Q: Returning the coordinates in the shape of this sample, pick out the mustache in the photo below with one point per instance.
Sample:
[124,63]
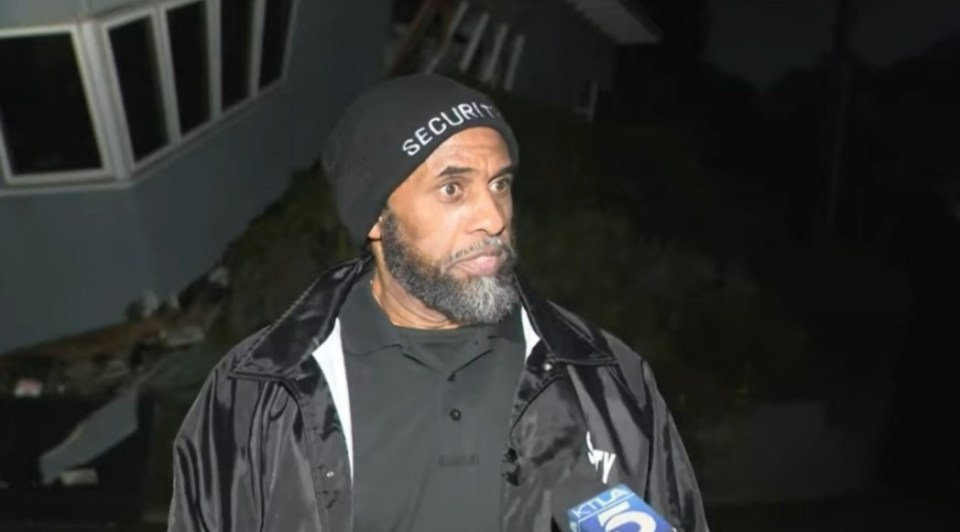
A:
[491,245]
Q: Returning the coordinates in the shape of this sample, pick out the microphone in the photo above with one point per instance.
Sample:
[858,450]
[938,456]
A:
[589,506]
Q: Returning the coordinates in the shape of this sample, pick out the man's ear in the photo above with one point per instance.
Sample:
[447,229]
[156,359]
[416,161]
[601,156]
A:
[375,233]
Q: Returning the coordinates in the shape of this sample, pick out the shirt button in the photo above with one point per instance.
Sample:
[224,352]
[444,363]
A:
[455,414]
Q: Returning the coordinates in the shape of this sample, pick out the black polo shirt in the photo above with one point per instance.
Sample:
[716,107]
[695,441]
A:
[431,411]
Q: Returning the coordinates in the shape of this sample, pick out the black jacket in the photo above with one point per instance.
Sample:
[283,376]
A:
[265,445]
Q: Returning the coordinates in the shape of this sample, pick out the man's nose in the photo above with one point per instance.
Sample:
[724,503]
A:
[489,215]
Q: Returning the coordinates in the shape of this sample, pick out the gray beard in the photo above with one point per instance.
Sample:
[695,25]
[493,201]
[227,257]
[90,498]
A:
[473,301]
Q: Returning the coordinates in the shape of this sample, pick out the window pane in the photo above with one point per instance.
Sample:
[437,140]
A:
[43,108]
[136,63]
[188,45]
[276,28]
[235,36]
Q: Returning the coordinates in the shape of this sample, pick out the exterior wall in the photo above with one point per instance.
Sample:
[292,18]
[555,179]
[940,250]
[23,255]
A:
[67,262]
[71,261]
[562,50]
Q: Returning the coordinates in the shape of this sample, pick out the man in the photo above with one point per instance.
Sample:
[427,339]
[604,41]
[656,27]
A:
[424,386]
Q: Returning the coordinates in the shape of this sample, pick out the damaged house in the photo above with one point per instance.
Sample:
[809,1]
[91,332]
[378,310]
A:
[139,138]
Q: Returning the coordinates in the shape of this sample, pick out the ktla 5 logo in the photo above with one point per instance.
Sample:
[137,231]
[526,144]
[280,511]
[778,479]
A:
[618,509]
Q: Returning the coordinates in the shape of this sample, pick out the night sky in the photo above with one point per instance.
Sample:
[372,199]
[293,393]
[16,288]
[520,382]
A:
[762,39]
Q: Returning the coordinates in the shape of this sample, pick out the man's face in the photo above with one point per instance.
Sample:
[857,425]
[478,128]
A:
[446,233]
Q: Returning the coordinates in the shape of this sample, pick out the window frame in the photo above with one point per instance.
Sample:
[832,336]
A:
[256,58]
[287,47]
[93,49]
[164,77]
[107,170]
[513,64]
[213,65]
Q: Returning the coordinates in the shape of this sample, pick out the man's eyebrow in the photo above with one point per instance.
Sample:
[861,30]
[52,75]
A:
[506,170]
[460,170]
[454,170]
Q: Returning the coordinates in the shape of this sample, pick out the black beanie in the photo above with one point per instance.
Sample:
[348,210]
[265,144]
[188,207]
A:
[386,133]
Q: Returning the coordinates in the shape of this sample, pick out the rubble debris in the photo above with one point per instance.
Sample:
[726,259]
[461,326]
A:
[209,289]
[114,367]
[144,307]
[110,366]
[82,370]
[100,361]
[28,388]
[182,337]
[219,276]
[170,304]
[80,477]
[97,433]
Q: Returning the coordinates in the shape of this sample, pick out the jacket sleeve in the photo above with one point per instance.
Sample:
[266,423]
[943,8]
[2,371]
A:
[672,480]
[211,484]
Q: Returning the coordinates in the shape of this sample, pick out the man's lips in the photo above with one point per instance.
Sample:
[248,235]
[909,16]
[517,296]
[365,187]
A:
[484,263]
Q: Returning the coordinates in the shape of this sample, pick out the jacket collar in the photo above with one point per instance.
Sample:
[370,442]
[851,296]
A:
[285,349]
[568,339]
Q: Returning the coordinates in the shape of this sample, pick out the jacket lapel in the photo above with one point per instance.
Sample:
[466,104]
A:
[285,349]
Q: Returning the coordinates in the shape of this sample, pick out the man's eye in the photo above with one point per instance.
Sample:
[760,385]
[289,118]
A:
[450,189]
[501,185]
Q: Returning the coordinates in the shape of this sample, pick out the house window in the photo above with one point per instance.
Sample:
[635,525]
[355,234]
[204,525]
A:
[105,96]
[276,33]
[47,124]
[136,66]
[236,34]
[187,29]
